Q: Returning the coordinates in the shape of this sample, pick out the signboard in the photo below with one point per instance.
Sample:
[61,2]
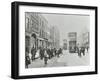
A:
[72,36]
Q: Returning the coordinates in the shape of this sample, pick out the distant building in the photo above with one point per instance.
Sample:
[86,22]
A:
[83,39]
[55,37]
[72,41]
[43,25]
[86,39]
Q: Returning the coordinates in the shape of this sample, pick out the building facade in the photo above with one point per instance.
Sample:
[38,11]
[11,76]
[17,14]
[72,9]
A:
[39,33]
[31,30]
[72,41]
[83,39]
[35,30]
[86,39]
[55,37]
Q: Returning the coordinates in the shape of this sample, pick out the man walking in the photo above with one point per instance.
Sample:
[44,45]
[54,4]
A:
[41,53]
[33,52]
[27,59]
[83,50]
[45,57]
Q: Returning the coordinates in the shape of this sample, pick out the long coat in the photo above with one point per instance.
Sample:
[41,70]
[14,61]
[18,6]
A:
[41,53]
[33,51]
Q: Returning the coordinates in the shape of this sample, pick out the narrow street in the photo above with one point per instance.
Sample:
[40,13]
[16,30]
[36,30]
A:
[72,59]
[66,59]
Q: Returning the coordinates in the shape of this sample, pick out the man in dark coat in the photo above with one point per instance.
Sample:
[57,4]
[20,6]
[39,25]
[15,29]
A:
[27,59]
[77,50]
[48,52]
[41,53]
[83,50]
[60,50]
[33,52]
[51,52]
[55,51]
[87,48]
[45,57]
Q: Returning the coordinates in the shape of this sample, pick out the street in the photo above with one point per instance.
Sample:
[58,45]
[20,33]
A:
[65,59]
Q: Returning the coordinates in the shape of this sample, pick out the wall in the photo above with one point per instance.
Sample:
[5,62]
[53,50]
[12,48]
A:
[5,40]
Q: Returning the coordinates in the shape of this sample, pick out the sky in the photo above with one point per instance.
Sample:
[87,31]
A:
[68,23]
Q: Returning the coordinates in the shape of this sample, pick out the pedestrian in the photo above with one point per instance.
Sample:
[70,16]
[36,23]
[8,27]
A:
[87,48]
[37,54]
[60,51]
[41,53]
[83,50]
[79,54]
[45,57]
[55,52]
[33,52]
[27,59]
[48,52]
[52,52]
[77,50]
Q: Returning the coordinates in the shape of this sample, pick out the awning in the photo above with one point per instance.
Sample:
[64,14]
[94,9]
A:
[39,38]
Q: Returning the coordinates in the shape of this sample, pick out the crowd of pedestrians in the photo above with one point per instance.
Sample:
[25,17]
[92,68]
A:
[82,50]
[41,53]
[48,53]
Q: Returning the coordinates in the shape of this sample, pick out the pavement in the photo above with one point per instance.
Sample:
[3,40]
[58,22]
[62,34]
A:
[66,59]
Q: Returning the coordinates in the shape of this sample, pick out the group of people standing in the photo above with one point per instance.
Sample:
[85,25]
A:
[81,50]
[43,54]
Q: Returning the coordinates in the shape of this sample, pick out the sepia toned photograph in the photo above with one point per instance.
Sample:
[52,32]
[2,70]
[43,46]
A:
[56,40]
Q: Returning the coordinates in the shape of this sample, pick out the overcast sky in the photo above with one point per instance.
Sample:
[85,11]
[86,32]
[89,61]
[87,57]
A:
[68,23]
